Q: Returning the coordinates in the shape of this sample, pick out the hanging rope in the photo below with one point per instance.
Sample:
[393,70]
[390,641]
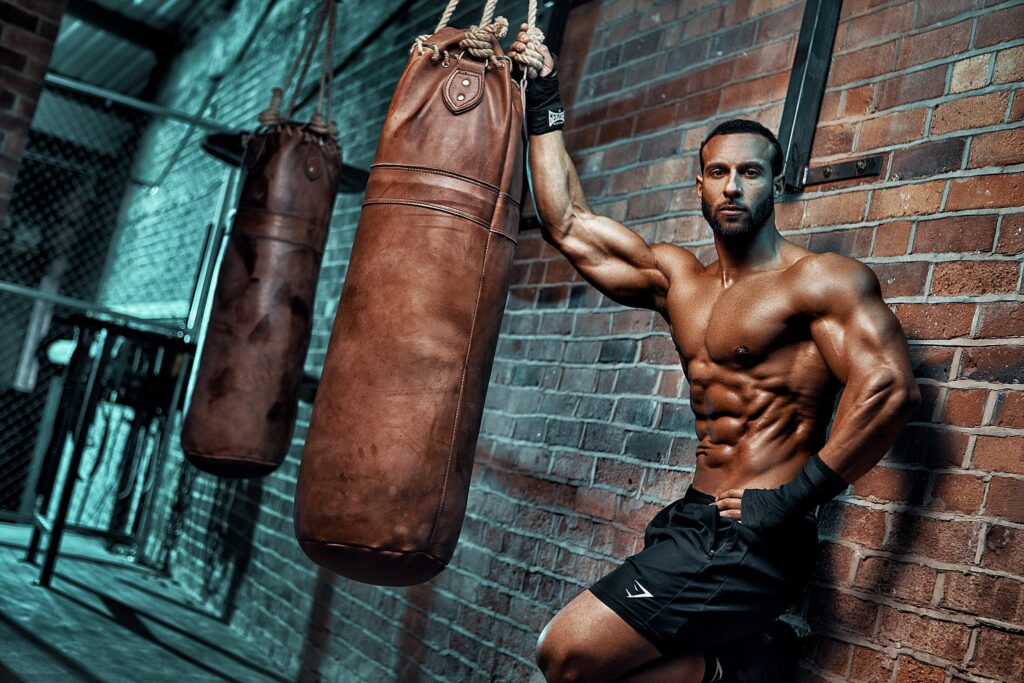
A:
[480,38]
[271,116]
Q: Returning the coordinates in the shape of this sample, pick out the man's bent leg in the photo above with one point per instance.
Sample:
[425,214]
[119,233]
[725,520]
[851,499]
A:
[587,641]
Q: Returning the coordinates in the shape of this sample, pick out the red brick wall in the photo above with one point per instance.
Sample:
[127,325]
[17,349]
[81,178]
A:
[27,31]
[589,428]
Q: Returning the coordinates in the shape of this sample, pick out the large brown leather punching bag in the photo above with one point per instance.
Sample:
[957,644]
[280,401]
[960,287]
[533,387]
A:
[385,473]
[242,414]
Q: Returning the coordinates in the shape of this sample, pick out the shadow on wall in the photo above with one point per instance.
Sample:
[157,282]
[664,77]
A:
[229,539]
[317,634]
[412,650]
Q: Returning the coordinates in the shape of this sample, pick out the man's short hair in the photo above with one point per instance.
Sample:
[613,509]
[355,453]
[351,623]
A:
[735,126]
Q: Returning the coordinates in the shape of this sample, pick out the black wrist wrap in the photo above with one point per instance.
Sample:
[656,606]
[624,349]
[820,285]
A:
[771,510]
[544,109]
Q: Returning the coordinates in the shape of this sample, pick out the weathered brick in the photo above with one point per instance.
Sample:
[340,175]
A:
[955,234]
[1011,234]
[935,11]
[942,638]
[935,44]
[1006,499]
[992,364]
[985,191]
[854,523]
[970,73]
[1001,148]
[892,239]
[907,200]
[1004,549]
[999,654]
[1001,319]
[957,493]
[1009,65]
[858,101]
[896,128]
[779,24]
[999,454]
[834,563]
[855,243]
[999,26]
[871,666]
[872,27]
[969,112]
[913,87]
[930,158]
[935,321]
[866,63]
[891,484]
[901,279]
[847,207]
[833,140]
[1009,410]
[965,407]
[833,610]
[11,59]
[903,581]
[975,277]
[948,540]
[910,670]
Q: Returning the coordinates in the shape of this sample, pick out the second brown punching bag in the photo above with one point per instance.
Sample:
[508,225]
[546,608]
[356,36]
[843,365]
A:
[385,473]
[242,413]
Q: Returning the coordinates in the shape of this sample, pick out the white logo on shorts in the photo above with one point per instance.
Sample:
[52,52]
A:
[556,117]
[641,592]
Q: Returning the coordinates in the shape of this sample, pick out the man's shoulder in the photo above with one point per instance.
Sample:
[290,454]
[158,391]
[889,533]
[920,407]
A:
[828,281]
[676,260]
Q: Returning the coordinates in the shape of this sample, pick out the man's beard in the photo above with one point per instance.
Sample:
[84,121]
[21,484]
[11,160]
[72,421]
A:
[751,222]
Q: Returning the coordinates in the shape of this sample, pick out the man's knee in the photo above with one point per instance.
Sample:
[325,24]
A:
[561,658]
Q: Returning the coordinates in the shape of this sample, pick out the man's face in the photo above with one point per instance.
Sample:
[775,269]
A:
[736,185]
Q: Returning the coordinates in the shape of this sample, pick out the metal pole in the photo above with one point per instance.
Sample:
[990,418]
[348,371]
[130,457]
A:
[148,107]
[88,409]
[78,305]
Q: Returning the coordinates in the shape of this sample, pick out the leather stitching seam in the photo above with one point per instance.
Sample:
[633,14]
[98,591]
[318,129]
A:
[449,174]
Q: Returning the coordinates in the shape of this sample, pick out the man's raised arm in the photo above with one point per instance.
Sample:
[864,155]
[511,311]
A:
[613,258]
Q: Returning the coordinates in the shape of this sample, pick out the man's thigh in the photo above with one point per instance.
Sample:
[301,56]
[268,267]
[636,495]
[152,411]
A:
[587,629]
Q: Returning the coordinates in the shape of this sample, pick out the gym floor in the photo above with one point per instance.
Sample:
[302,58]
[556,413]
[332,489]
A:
[107,619]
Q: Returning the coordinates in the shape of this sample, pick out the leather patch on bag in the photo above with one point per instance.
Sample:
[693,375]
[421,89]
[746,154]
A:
[464,88]
[314,167]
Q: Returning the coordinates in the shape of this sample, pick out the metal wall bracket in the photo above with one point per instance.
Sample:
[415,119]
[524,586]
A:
[844,170]
[807,87]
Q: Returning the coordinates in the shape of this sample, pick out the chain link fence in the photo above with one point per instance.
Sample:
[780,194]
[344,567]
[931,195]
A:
[101,219]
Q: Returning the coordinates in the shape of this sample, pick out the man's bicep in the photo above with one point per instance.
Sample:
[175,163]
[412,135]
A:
[859,334]
[617,261]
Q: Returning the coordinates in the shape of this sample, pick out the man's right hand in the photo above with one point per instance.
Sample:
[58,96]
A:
[520,46]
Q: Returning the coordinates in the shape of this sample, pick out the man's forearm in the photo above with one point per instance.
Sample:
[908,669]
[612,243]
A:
[872,412]
[557,191]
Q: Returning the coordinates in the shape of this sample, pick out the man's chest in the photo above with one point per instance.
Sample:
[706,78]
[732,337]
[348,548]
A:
[738,325]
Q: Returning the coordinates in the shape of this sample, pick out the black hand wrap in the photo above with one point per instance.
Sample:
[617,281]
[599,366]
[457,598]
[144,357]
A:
[770,510]
[544,109]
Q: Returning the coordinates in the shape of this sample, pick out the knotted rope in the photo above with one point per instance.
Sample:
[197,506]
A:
[479,39]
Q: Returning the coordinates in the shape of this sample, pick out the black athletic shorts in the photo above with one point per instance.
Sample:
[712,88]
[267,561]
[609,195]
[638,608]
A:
[703,579]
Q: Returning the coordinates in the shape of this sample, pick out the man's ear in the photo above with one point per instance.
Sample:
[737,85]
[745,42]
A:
[779,184]
[698,182]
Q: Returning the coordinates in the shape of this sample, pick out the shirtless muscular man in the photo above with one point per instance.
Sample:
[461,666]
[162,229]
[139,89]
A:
[768,335]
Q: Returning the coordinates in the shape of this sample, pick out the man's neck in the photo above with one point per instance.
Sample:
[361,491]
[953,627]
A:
[750,253]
